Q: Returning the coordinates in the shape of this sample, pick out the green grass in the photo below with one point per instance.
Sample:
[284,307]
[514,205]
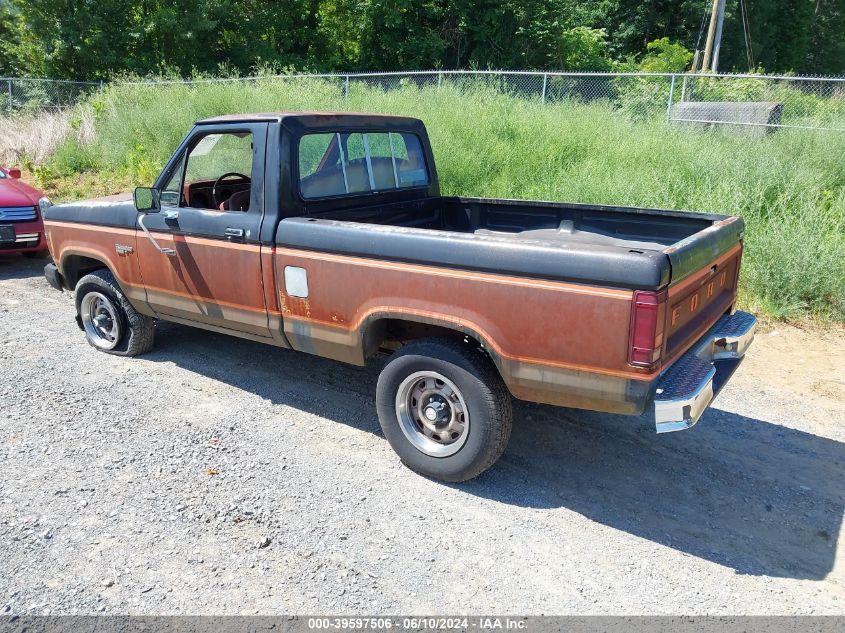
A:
[789,186]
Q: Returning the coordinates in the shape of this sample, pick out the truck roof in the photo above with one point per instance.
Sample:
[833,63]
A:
[311,117]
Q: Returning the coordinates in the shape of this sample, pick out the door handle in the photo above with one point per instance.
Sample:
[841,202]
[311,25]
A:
[232,233]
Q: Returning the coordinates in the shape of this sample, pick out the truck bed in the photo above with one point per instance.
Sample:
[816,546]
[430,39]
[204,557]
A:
[642,249]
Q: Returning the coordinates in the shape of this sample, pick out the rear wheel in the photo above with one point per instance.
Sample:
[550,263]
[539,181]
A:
[444,409]
[110,322]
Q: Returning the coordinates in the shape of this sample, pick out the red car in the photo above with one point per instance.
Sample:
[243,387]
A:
[21,227]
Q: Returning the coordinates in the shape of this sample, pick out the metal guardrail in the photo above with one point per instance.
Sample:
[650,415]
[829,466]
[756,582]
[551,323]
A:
[757,102]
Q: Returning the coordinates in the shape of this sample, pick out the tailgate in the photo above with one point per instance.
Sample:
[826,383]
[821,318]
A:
[697,301]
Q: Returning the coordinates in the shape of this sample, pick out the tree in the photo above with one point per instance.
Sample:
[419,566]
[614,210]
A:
[93,39]
[631,24]
[826,54]
[401,34]
[583,48]
[665,56]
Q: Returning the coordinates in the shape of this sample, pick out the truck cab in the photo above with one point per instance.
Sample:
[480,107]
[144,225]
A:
[234,179]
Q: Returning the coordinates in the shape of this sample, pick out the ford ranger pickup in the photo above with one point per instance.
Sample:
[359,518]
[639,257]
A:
[327,234]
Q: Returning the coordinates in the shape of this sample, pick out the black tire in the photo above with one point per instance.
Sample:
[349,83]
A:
[137,331]
[487,400]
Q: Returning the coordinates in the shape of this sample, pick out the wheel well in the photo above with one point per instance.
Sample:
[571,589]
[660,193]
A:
[75,267]
[390,334]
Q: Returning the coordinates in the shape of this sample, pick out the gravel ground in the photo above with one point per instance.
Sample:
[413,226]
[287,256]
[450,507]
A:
[216,475]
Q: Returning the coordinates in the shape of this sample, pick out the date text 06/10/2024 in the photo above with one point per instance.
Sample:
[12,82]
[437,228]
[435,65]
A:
[417,623]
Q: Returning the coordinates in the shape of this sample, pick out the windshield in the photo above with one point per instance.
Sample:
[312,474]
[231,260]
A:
[2,174]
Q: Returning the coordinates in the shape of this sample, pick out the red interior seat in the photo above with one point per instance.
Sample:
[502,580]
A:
[238,201]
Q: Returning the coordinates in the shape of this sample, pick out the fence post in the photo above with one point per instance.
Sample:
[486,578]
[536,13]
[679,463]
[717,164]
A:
[545,85]
[346,88]
[671,94]
[439,78]
[11,102]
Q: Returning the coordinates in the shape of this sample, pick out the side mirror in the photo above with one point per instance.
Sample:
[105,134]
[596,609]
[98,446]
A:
[14,172]
[146,200]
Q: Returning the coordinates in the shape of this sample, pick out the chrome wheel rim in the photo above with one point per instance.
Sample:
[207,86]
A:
[432,413]
[101,320]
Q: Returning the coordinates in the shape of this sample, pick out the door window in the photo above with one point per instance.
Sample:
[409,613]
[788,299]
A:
[218,173]
[172,193]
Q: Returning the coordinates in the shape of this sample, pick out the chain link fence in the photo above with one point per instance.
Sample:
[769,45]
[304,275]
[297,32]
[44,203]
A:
[29,96]
[755,103]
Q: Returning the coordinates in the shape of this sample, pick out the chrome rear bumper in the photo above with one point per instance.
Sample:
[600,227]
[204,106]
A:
[688,386]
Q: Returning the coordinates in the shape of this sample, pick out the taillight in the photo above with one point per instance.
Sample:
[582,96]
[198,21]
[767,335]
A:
[648,315]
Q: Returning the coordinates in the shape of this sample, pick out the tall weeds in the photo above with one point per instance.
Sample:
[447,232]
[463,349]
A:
[32,138]
[789,186]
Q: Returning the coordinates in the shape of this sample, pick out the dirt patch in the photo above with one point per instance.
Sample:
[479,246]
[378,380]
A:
[803,361]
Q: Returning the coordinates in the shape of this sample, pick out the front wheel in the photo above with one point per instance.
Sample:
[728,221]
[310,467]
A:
[444,409]
[110,322]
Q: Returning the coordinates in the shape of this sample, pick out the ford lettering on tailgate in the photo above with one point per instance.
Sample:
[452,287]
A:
[696,308]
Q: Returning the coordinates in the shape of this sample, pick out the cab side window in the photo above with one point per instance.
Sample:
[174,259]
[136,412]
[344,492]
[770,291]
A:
[218,173]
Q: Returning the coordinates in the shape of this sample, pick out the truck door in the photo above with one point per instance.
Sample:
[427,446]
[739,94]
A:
[212,203]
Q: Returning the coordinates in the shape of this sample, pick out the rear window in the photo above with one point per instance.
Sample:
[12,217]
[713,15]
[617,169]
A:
[341,163]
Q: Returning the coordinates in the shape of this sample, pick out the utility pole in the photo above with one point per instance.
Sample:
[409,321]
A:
[717,14]
[714,63]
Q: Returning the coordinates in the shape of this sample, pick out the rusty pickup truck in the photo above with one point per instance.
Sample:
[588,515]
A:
[327,234]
